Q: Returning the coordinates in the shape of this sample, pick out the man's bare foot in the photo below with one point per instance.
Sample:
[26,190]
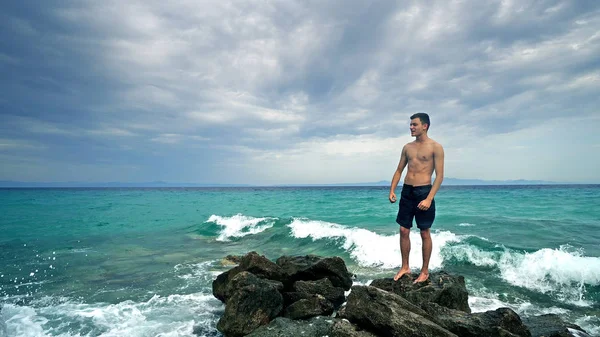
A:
[422,277]
[401,273]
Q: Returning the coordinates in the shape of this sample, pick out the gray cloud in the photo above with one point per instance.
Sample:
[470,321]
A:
[133,82]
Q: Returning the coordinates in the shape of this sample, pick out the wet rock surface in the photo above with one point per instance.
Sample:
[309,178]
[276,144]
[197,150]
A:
[306,296]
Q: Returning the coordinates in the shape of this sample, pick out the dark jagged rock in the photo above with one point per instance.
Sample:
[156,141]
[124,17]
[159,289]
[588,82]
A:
[312,268]
[315,327]
[256,302]
[284,327]
[343,328]
[290,297]
[251,262]
[262,267]
[493,323]
[306,289]
[387,314]
[322,287]
[442,288]
[366,293]
[244,279]
[219,285]
[317,305]
[552,325]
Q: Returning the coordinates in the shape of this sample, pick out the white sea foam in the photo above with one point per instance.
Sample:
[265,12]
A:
[82,250]
[591,324]
[577,333]
[175,315]
[196,273]
[547,269]
[465,224]
[563,272]
[482,304]
[21,321]
[240,225]
[491,302]
[371,249]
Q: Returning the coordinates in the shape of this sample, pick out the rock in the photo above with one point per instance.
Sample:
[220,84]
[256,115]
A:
[343,328]
[493,323]
[219,285]
[254,303]
[230,260]
[317,305]
[251,262]
[312,268]
[290,297]
[387,314]
[262,267]
[315,327]
[552,325]
[244,278]
[285,327]
[442,288]
[366,293]
[322,287]
[306,289]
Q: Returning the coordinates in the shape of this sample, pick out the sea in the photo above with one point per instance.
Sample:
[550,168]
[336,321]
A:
[141,261]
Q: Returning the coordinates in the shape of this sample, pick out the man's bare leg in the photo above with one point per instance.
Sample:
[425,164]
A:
[404,251]
[427,247]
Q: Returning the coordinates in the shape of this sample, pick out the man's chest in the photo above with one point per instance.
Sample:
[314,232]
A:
[421,154]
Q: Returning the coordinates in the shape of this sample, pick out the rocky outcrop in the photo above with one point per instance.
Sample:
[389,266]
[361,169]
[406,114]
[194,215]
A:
[286,327]
[494,323]
[251,262]
[442,288]
[343,328]
[305,296]
[387,314]
[316,305]
[253,302]
[258,290]
[552,325]
[323,287]
[313,268]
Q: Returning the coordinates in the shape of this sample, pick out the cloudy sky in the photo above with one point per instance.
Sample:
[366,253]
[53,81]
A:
[275,92]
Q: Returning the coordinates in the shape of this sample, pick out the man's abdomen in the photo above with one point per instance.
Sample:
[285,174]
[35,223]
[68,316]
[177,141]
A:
[418,178]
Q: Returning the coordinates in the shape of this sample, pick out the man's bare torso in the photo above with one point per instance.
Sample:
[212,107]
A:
[420,161]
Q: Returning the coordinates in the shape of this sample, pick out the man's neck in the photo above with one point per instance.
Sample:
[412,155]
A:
[422,138]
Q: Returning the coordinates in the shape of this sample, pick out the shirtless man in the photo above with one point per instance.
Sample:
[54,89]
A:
[423,156]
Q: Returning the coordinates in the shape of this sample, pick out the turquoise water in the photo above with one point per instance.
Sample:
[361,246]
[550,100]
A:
[140,262]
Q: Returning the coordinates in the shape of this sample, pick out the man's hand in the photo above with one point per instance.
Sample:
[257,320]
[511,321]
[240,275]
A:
[392,197]
[424,205]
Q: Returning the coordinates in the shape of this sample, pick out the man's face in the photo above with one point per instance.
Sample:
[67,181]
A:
[416,127]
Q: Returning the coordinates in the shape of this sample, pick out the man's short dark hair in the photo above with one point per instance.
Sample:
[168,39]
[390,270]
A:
[423,117]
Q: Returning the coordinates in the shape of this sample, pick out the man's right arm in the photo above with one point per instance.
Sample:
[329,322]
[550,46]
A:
[398,174]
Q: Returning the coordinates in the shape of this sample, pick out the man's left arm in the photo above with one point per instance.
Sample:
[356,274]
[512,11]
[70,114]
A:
[438,166]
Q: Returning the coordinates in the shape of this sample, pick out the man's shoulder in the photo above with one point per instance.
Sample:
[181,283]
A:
[411,146]
[434,143]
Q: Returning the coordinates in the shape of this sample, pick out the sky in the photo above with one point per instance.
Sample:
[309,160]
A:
[292,92]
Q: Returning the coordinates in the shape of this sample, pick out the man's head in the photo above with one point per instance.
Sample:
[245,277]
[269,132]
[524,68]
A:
[419,124]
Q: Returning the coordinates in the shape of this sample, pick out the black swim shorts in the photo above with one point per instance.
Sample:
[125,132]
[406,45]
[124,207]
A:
[410,198]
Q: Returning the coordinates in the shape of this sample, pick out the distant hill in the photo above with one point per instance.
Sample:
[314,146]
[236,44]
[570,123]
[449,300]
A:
[456,181]
[447,181]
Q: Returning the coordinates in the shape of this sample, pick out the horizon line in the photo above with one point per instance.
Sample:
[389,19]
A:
[116,184]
